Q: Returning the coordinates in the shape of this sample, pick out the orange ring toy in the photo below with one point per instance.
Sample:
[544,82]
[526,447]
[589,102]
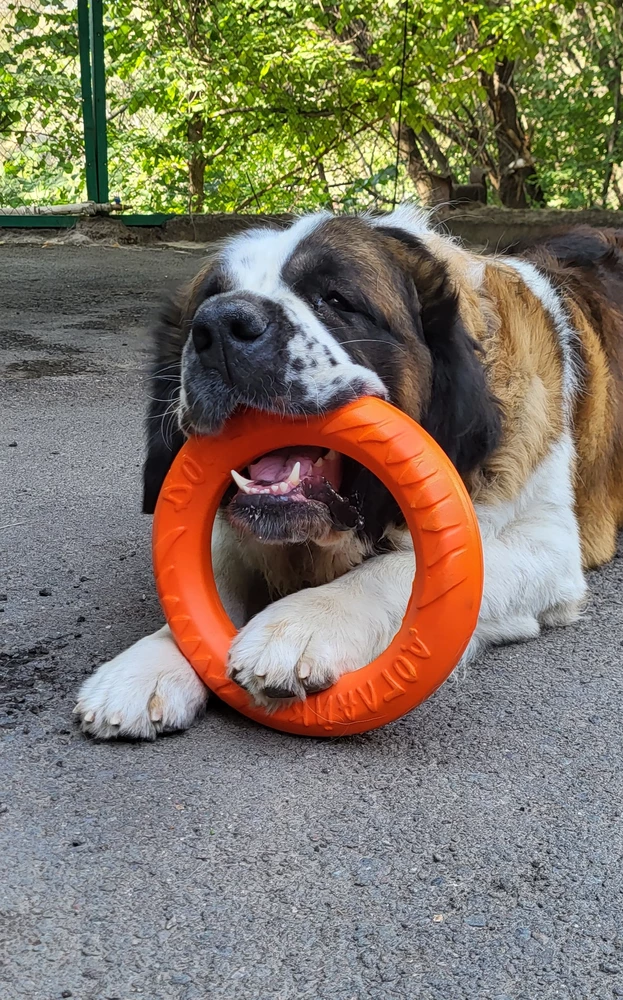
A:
[443,608]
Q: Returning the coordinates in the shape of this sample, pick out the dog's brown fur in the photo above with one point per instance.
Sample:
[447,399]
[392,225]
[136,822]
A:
[587,268]
[515,341]
[523,362]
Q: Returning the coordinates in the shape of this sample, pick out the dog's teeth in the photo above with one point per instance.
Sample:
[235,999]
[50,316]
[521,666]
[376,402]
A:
[294,478]
[241,482]
[319,463]
[331,456]
[284,487]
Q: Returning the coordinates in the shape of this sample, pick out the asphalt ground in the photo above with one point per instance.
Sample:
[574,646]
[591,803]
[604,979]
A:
[470,851]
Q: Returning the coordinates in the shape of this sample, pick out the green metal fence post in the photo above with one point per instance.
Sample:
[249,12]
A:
[90,164]
[93,83]
[99,96]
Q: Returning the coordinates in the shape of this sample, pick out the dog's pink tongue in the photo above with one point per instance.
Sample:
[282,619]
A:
[277,465]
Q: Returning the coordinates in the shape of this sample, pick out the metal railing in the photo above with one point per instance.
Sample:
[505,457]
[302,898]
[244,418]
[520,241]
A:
[93,81]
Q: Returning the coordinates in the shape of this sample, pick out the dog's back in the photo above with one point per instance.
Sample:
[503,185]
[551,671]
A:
[586,267]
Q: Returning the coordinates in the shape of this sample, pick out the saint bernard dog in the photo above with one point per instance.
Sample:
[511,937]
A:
[513,363]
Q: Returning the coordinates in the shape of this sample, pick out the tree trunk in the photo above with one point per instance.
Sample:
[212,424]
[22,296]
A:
[614,134]
[329,203]
[196,164]
[518,182]
[615,88]
[432,188]
[434,151]
[356,33]
[616,187]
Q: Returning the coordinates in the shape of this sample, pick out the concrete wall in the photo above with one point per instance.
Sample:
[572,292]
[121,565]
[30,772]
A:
[483,227]
[499,228]
[480,226]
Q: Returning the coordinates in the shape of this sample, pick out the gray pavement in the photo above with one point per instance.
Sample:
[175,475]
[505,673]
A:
[470,851]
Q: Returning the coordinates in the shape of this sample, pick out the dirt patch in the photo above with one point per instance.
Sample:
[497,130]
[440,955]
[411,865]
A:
[33,368]
[19,340]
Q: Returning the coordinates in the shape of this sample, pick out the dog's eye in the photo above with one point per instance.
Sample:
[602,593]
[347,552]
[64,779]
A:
[213,284]
[337,301]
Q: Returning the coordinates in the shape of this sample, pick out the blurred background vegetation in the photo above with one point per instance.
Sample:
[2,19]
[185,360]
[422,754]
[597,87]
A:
[288,105]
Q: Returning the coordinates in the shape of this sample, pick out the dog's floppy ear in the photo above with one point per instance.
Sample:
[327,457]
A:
[462,415]
[164,438]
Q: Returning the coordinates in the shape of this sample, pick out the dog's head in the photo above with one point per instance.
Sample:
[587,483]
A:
[303,320]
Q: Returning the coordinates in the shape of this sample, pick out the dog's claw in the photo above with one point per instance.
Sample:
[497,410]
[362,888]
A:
[279,692]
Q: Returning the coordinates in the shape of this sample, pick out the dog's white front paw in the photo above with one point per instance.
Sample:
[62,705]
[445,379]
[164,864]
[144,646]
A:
[564,613]
[303,643]
[148,689]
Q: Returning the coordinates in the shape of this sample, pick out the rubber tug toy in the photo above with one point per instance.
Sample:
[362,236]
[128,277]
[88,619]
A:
[447,589]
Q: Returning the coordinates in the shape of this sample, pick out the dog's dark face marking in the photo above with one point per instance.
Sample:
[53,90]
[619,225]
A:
[261,339]
[304,320]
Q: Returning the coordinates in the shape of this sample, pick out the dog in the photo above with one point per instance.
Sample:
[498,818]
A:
[513,363]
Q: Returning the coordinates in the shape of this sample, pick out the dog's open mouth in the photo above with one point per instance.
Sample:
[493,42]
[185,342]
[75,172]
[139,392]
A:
[292,495]
[294,473]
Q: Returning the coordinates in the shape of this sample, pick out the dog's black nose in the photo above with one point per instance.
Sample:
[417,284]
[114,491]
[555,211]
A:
[223,326]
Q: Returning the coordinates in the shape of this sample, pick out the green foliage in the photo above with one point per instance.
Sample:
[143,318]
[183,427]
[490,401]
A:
[41,144]
[568,92]
[286,105]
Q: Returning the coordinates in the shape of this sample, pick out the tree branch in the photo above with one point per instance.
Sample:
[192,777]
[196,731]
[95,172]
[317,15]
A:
[298,170]
[303,112]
